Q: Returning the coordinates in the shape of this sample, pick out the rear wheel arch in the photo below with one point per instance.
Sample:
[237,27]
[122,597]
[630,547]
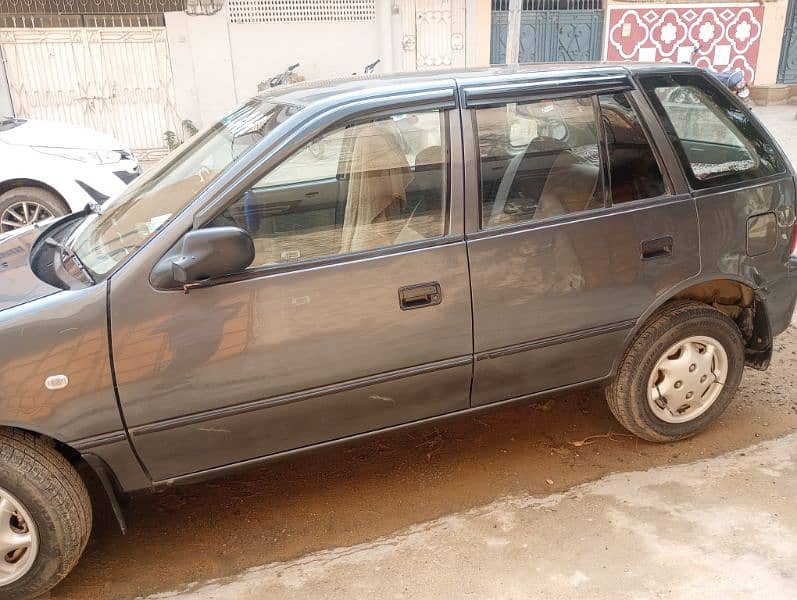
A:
[732,296]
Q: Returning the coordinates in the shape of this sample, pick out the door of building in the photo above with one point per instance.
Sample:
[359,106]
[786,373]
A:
[434,34]
[550,30]
[787,73]
[117,80]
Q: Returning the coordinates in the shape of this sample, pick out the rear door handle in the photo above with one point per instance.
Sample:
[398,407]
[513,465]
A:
[420,295]
[657,248]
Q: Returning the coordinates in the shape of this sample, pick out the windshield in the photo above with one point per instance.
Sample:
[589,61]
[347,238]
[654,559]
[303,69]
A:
[126,223]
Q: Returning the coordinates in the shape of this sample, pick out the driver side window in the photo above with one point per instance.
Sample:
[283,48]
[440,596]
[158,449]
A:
[360,187]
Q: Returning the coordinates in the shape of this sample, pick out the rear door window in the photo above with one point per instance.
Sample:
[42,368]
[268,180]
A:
[634,172]
[717,141]
[537,160]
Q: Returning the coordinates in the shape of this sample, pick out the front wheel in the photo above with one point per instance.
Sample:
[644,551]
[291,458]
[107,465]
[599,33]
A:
[45,515]
[26,205]
[679,374]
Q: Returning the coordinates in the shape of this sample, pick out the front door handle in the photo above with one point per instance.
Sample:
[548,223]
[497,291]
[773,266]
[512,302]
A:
[420,295]
[657,248]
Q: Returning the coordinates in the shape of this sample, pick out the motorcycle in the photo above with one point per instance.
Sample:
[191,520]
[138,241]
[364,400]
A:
[289,75]
[370,67]
[733,80]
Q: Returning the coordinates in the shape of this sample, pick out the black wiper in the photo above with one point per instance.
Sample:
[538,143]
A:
[72,255]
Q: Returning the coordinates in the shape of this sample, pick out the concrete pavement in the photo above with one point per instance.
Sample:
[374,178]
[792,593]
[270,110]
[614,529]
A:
[719,528]
[782,122]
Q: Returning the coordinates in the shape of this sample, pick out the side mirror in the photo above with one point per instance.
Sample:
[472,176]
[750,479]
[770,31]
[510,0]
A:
[205,254]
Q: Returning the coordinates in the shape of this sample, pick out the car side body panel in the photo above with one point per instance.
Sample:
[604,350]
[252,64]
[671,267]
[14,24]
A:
[729,217]
[552,303]
[269,364]
[71,344]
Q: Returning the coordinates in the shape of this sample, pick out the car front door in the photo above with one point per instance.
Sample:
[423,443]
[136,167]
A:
[354,316]
[574,230]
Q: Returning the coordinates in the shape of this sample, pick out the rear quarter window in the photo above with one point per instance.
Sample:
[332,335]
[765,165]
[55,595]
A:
[717,141]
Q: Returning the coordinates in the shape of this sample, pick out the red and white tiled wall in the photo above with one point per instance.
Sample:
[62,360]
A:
[722,36]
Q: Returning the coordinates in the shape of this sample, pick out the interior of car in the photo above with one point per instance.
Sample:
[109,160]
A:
[362,187]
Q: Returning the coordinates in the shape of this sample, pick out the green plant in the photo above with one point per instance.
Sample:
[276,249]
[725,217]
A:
[189,128]
[171,139]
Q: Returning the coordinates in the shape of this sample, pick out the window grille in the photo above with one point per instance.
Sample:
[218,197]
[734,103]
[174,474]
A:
[39,21]
[293,11]
[89,7]
[503,5]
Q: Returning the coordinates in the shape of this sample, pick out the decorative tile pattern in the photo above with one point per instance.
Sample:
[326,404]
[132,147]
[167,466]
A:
[723,36]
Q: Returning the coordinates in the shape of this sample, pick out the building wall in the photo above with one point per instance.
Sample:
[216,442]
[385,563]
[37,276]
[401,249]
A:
[774,23]
[477,46]
[217,64]
[199,49]
[322,49]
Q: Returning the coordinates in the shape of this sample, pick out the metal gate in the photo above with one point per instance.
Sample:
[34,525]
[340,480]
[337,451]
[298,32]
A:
[115,79]
[434,34]
[787,72]
[550,30]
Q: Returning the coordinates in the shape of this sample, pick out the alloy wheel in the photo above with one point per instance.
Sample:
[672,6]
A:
[22,214]
[19,540]
[687,379]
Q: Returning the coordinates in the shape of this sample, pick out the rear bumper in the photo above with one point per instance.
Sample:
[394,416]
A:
[780,298]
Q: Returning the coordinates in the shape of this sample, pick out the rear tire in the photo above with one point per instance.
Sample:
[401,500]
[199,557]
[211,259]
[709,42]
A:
[25,205]
[42,483]
[661,393]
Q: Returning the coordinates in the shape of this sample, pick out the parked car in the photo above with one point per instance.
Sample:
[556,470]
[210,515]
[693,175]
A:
[51,169]
[465,240]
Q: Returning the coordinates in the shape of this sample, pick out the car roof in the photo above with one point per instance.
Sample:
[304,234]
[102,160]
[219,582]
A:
[310,92]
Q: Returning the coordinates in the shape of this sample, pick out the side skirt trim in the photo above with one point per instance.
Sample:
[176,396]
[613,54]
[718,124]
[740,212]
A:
[557,339]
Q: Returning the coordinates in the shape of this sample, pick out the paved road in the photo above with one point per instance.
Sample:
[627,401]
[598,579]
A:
[498,506]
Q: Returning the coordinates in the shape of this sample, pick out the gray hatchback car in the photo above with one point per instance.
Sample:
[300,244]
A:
[337,259]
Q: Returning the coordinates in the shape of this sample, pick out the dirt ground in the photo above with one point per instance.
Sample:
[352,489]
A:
[356,493]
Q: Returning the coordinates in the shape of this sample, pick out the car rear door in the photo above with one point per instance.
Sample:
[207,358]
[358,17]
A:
[566,249]
[336,330]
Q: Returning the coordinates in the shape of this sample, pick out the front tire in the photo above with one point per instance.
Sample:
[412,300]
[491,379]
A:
[45,515]
[679,373]
[25,205]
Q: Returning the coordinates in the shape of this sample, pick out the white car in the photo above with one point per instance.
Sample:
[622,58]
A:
[51,169]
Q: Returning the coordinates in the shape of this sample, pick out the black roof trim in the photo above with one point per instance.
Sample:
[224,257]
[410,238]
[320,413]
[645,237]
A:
[310,92]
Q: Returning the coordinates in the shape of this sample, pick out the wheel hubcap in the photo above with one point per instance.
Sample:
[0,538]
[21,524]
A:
[687,379]
[19,541]
[22,214]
